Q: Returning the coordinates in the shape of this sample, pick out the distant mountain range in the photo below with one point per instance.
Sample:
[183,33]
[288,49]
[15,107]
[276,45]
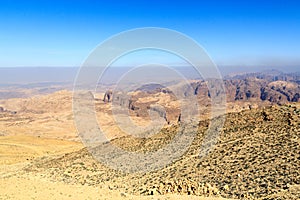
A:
[271,85]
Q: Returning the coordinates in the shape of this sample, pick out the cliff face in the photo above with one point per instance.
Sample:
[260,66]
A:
[272,86]
[279,90]
[242,92]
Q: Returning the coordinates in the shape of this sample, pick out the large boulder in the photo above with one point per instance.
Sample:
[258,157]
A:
[107,96]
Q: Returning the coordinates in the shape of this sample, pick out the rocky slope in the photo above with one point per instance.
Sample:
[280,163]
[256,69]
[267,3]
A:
[247,92]
[256,156]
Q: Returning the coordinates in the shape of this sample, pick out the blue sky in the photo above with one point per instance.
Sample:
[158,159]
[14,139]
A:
[63,33]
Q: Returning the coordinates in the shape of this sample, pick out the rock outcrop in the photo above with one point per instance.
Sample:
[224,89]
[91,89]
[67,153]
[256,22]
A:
[107,96]
[252,89]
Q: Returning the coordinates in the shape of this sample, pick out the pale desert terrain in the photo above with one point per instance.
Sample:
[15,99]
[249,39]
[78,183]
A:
[42,157]
[43,128]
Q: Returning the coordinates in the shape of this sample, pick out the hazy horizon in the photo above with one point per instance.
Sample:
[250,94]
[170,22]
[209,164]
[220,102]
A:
[30,75]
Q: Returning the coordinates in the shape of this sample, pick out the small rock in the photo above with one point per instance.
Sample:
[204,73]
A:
[226,187]
[123,194]
[153,192]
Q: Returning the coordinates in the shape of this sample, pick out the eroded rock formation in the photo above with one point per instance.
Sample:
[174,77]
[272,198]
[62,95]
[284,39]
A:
[107,96]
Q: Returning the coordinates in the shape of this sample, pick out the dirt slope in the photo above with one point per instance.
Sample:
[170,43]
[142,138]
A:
[257,156]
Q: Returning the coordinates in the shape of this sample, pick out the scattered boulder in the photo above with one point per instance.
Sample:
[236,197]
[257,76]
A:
[184,186]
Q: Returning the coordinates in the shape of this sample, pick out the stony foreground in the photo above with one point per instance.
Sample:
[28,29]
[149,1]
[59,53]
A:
[257,157]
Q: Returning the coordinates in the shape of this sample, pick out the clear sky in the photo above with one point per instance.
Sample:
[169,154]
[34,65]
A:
[63,33]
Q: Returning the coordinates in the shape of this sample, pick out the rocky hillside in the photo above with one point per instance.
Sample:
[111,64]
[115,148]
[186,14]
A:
[273,86]
[254,89]
[244,91]
[257,156]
